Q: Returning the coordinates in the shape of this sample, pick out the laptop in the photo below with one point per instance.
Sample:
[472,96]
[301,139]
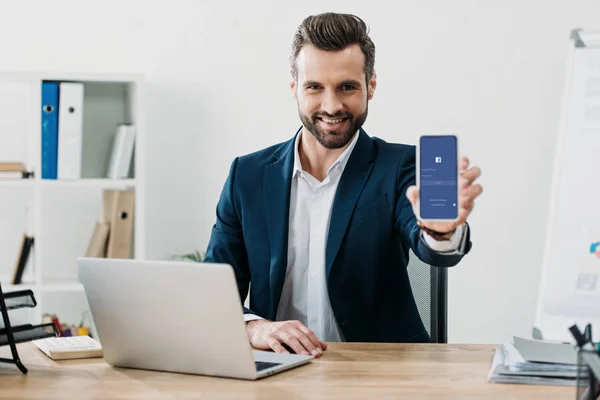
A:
[174,316]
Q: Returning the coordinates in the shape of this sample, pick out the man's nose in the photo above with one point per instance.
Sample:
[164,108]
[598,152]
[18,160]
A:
[331,104]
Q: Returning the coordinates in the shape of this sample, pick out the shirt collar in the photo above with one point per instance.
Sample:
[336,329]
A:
[341,161]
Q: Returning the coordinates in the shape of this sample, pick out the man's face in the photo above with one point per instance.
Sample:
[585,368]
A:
[332,93]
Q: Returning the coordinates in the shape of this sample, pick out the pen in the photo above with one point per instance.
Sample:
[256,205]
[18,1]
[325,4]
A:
[584,340]
[579,338]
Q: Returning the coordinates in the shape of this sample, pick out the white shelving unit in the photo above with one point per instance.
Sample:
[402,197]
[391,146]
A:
[61,214]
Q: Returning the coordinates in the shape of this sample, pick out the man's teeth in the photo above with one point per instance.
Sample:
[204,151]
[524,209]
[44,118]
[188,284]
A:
[332,121]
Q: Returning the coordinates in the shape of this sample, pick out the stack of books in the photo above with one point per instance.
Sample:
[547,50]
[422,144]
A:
[536,362]
[13,170]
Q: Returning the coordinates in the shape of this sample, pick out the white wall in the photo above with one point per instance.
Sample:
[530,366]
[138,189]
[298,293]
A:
[490,71]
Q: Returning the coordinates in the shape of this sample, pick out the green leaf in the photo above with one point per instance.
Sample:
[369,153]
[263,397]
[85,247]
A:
[194,256]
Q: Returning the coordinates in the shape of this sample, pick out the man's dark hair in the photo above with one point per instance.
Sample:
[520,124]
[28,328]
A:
[332,31]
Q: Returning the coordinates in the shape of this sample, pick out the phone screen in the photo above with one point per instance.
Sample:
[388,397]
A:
[438,156]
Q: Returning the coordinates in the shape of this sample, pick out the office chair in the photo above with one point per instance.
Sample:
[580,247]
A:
[430,289]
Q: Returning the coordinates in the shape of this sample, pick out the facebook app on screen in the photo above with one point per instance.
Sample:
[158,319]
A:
[438,197]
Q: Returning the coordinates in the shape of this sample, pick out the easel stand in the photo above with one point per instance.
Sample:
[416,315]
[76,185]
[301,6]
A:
[11,335]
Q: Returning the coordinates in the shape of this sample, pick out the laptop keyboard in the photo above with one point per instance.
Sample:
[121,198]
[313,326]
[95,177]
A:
[260,365]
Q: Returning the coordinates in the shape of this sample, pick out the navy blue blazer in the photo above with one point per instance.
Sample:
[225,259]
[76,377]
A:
[371,229]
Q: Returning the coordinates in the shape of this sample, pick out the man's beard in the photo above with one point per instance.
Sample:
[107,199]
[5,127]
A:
[334,139]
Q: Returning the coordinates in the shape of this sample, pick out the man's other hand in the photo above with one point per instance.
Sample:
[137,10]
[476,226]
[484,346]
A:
[267,335]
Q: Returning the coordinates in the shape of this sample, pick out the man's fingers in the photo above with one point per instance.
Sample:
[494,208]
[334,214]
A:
[285,337]
[276,346]
[464,163]
[470,175]
[462,216]
[470,193]
[310,334]
[470,207]
[291,340]
[311,347]
[412,193]
[466,208]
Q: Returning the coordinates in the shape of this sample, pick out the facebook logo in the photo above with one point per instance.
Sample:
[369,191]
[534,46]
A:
[438,160]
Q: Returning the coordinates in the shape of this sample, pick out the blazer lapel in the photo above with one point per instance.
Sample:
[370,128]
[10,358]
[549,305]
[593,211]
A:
[354,178]
[276,201]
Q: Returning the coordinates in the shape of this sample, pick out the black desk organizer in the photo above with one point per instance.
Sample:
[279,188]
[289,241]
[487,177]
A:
[11,335]
[588,362]
[588,376]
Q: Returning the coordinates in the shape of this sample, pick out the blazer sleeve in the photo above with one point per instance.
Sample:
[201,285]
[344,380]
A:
[226,244]
[406,221]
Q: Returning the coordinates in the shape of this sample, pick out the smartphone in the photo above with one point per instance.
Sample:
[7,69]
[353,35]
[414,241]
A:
[437,178]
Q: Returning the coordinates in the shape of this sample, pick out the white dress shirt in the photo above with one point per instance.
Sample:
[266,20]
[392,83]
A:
[305,297]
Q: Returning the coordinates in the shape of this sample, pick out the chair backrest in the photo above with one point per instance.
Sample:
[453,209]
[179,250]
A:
[430,289]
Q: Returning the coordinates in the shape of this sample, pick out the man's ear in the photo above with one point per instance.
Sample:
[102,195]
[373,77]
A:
[294,87]
[372,85]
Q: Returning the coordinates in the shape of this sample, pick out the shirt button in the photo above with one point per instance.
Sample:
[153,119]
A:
[314,274]
[315,232]
[320,194]
[315,319]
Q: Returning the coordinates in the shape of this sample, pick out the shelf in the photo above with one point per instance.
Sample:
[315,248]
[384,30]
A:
[89,183]
[62,214]
[8,287]
[22,183]
[62,287]
[83,183]
[45,287]
[71,76]
[91,77]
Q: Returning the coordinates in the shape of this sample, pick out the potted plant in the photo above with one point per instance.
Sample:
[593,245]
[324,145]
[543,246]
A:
[195,256]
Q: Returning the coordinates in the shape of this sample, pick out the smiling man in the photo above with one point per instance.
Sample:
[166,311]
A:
[321,225]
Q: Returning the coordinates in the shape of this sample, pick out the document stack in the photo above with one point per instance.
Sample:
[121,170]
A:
[536,362]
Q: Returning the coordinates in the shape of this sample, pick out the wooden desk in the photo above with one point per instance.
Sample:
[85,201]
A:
[345,371]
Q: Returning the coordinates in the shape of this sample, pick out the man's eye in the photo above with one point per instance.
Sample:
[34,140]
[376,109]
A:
[313,87]
[348,87]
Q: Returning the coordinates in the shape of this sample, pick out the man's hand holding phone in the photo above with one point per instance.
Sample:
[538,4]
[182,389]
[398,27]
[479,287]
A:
[468,189]
[446,187]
